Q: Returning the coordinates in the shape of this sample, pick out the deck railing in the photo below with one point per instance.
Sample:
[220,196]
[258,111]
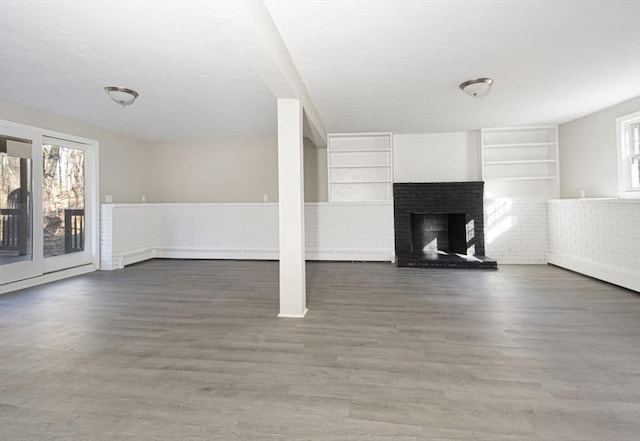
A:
[73,230]
[13,231]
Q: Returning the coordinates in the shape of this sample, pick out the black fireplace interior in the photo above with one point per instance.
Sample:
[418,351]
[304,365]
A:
[440,225]
[444,232]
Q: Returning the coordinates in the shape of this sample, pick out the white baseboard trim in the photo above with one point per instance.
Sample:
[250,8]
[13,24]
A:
[232,254]
[240,254]
[46,278]
[129,258]
[506,261]
[349,255]
[617,276]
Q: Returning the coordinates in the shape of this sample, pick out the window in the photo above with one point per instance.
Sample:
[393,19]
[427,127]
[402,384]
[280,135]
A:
[629,155]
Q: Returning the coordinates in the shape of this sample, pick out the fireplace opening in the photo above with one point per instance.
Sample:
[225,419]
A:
[433,233]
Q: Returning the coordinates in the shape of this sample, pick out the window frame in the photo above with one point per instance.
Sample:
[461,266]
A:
[624,125]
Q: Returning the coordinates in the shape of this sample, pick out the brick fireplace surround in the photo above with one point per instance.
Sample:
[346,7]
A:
[455,200]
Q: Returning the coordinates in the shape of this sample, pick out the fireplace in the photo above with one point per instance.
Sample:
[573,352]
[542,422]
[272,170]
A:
[440,225]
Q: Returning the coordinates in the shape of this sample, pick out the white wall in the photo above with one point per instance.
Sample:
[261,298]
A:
[588,152]
[599,238]
[123,170]
[217,170]
[315,173]
[333,231]
[437,157]
[515,230]
[227,170]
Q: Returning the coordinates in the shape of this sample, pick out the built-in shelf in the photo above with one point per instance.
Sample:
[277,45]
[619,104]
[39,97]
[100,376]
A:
[521,161]
[359,167]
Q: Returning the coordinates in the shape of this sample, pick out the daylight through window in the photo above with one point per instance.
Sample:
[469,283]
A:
[629,155]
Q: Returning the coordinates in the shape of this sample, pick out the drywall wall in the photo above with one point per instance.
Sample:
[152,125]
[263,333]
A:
[217,170]
[122,159]
[227,170]
[588,152]
[437,157]
[315,173]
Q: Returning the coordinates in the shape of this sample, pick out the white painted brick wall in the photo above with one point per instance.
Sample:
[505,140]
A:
[597,237]
[349,231]
[516,230]
[334,231]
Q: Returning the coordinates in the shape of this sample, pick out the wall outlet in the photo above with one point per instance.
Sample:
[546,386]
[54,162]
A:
[143,198]
[108,198]
[265,198]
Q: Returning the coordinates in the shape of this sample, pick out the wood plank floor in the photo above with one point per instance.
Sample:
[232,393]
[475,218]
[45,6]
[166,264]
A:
[192,350]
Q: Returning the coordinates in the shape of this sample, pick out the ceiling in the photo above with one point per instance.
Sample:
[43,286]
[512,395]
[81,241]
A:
[369,65]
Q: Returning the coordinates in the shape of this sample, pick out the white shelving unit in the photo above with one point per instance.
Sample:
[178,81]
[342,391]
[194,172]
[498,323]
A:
[360,167]
[521,162]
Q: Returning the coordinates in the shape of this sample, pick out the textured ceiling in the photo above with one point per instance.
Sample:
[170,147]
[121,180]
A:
[57,56]
[373,65]
[369,65]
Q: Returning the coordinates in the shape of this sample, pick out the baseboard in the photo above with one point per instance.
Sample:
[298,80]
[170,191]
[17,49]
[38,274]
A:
[506,261]
[231,254]
[351,255]
[240,254]
[129,258]
[47,278]
[616,276]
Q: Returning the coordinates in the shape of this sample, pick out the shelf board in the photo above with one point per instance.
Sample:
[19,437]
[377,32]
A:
[372,181]
[522,178]
[385,150]
[360,166]
[519,144]
[520,129]
[524,161]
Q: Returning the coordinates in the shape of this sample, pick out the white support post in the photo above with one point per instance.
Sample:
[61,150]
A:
[293,301]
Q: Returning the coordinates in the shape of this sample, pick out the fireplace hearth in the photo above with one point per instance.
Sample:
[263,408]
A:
[440,225]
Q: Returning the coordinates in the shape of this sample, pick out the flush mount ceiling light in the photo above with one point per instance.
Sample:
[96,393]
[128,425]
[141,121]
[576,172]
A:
[121,95]
[477,86]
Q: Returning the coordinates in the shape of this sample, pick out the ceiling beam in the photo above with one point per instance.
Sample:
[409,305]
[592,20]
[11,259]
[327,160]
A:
[249,26]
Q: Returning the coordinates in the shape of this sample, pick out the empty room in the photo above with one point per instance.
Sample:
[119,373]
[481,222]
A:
[331,220]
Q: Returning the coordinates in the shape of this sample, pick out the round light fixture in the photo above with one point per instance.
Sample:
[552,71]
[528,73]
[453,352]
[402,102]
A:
[477,86]
[121,95]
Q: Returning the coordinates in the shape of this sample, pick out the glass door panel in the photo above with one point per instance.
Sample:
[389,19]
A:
[68,203]
[19,256]
[62,200]
[15,200]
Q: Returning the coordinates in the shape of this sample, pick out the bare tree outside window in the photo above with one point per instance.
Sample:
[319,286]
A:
[62,199]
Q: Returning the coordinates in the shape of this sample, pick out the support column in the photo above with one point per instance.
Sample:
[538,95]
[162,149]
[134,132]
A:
[293,296]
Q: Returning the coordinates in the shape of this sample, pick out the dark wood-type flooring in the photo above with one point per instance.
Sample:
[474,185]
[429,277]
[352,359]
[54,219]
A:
[192,350]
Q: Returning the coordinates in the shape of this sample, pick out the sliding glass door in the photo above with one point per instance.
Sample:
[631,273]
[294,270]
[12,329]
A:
[48,202]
